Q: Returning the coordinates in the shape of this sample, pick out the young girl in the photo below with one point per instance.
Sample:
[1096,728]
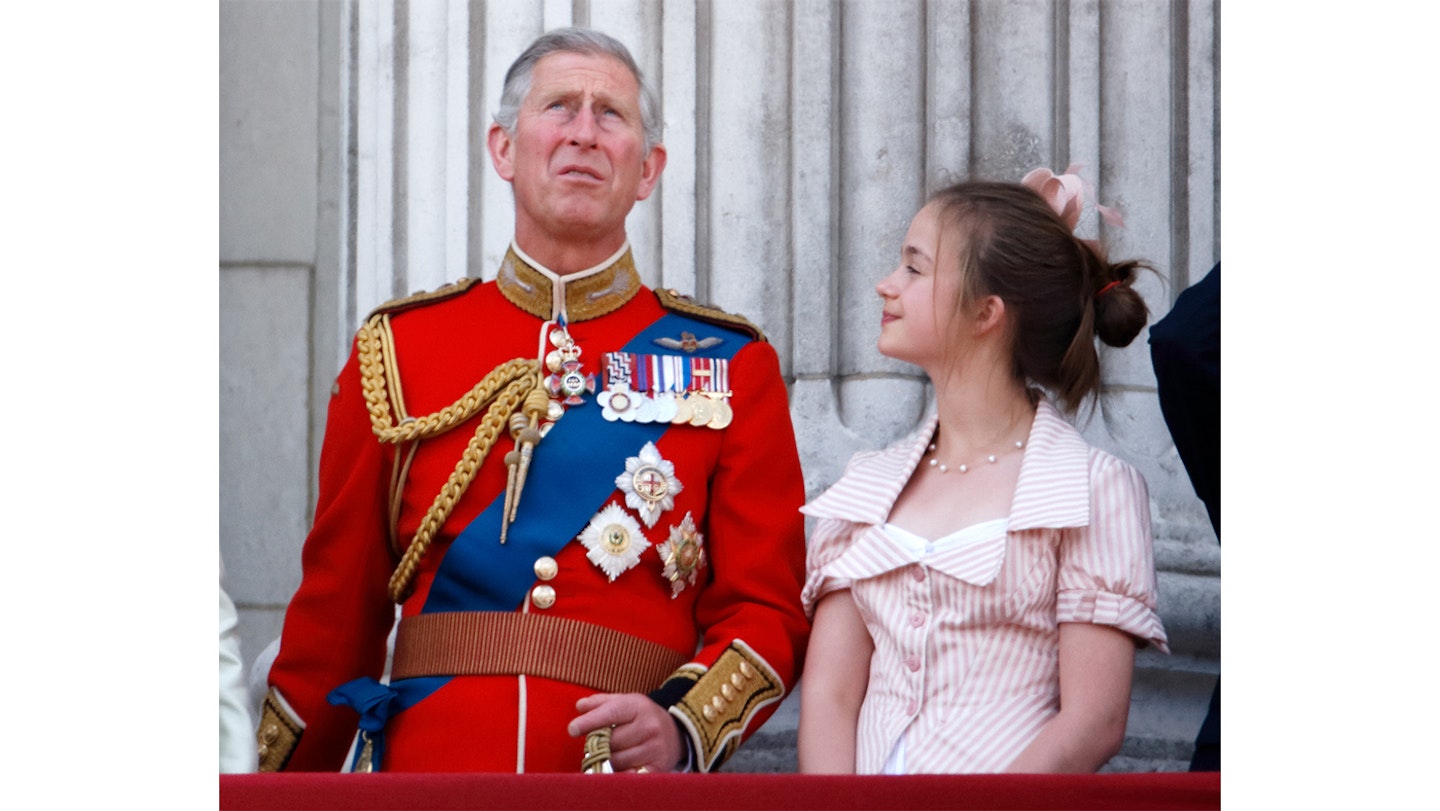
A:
[979,589]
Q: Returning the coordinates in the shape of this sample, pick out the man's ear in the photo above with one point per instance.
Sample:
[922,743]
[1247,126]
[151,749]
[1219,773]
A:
[501,152]
[650,171]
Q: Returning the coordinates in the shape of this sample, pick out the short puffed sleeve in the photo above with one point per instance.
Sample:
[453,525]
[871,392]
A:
[1107,569]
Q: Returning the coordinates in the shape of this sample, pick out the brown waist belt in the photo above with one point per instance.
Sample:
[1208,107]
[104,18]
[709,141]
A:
[493,643]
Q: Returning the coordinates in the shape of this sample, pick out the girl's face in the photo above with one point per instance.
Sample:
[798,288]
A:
[916,320]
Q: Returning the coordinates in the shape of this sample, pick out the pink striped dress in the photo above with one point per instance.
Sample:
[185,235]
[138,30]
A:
[966,663]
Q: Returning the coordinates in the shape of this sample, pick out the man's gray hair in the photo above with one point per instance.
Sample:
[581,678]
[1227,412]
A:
[579,41]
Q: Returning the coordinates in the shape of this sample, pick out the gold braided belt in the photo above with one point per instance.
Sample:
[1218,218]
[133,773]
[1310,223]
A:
[494,643]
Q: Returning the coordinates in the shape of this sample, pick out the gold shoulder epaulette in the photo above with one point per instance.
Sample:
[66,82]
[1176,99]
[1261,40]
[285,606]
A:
[672,300]
[440,293]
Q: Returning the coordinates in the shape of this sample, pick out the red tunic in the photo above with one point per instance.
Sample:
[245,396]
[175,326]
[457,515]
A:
[742,485]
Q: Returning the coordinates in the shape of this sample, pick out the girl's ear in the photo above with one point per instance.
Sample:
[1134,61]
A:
[989,315]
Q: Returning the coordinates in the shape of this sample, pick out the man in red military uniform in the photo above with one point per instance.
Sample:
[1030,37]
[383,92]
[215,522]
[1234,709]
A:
[581,493]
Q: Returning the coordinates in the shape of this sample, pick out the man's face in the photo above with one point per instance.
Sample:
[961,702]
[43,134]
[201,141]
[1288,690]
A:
[576,159]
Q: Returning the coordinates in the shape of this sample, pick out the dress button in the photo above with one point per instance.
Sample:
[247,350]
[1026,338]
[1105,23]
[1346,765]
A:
[917,619]
[918,573]
[542,596]
[913,662]
[546,568]
[911,708]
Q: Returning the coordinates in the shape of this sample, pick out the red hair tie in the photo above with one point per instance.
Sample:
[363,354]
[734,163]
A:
[1107,288]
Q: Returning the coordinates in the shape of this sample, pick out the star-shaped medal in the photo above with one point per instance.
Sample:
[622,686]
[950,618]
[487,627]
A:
[614,541]
[649,484]
[684,555]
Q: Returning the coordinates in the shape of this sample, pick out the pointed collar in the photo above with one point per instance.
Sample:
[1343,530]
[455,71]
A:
[873,480]
[587,294]
[1053,489]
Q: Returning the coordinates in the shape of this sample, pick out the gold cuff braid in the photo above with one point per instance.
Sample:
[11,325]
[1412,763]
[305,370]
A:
[718,709]
[279,732]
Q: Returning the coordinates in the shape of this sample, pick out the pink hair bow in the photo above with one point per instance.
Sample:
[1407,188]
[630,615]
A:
[1066,195]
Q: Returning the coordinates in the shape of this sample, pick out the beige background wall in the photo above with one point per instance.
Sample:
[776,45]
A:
[802,135]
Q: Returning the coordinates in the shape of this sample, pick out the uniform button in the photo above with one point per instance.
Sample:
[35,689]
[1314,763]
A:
[542,596]
[708,711]
[746,669]
[736,680]
[728,692]
[913,662]
[717,702]
[264,750]
[270,733]
[917,619]
[546,568]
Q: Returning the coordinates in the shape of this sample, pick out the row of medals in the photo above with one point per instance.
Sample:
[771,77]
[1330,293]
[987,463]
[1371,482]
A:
[698,408]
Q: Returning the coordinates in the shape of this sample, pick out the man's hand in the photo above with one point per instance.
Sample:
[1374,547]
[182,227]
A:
[642,733]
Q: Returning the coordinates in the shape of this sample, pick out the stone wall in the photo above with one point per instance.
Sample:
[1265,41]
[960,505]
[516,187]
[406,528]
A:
[802,135]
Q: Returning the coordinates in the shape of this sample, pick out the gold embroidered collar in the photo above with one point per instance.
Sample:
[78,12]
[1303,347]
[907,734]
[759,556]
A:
[587,294]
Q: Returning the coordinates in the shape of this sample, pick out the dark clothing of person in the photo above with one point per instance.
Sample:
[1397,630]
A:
[1185,351]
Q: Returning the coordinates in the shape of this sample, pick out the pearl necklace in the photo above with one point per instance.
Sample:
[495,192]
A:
[992,458]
